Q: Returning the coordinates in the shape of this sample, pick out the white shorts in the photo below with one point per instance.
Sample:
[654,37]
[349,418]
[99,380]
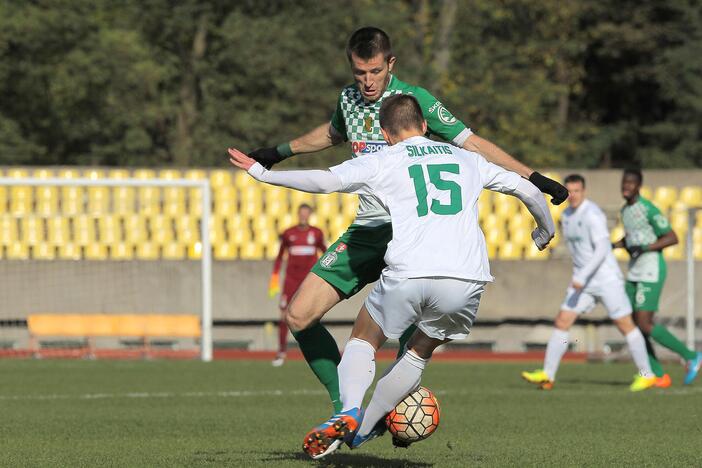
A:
[611,294]
[440,307]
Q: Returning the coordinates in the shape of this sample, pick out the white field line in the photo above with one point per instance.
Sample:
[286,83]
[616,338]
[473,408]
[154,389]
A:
[286,393]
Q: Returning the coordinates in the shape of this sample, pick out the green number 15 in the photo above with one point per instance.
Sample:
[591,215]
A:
[416,172]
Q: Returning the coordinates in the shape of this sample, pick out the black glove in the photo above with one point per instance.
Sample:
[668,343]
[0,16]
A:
[558,193]
[267,157]
[636,250]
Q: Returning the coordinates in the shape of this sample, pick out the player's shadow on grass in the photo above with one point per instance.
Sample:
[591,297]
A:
[347,459]
[610,383]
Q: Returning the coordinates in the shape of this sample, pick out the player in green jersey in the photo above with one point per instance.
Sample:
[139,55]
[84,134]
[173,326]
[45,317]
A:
[356,258]
[646,233]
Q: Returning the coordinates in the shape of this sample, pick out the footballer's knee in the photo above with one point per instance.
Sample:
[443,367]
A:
[644,320]
[295,320]
[625,324]
[564,320]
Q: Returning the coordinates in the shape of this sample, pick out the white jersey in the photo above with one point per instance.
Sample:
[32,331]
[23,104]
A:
[582,228]
[431,190]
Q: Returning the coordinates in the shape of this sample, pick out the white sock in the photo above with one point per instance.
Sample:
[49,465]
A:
[356,372]
[637,348]
[556,348]
[391,389]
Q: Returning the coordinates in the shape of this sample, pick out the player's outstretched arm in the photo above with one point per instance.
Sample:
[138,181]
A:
[319,138]
[497,155]
[313,181]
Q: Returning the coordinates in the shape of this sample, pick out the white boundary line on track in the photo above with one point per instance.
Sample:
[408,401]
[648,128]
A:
[275,393]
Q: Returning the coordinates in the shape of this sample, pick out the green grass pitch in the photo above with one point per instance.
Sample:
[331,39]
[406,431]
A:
[246,413]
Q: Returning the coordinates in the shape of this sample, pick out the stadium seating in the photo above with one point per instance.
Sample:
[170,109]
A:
[150,223]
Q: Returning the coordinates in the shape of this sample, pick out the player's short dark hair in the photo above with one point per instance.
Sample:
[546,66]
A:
[400,112]
[634,172]
[305,205]
[368,42]
[574,178]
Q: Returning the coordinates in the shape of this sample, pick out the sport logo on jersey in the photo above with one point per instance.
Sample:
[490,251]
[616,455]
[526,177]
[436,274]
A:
[329,259]
[360,148]
[444,115]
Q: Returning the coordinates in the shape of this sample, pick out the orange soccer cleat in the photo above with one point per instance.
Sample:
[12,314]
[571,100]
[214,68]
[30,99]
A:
[663,381]
[328,436]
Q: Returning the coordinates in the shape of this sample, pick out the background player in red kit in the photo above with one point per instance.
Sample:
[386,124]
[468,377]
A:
[303,243]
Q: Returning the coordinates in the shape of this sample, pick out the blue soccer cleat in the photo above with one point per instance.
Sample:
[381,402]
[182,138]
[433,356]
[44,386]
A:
[328,436]
[693,368]
[377,431]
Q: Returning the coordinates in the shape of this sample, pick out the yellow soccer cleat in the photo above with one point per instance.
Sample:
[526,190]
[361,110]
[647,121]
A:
[642,383]
[539,378]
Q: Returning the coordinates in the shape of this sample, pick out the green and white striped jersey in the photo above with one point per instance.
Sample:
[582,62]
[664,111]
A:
[643,225]
[358,121]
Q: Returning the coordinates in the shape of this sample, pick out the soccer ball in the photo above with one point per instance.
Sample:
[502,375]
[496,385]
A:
[414,418]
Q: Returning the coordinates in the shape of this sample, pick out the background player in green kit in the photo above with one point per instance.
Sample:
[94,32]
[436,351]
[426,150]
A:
[356,258]
[647,233]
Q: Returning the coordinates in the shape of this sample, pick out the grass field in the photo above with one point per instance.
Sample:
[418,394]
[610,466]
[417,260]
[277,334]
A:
[246,413]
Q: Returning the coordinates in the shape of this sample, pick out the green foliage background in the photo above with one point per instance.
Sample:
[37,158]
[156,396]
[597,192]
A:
[173,83]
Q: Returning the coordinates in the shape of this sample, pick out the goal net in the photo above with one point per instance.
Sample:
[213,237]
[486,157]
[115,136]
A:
[101,263]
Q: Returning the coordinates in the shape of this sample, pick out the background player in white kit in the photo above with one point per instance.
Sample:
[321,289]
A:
[437,263]
[596,277]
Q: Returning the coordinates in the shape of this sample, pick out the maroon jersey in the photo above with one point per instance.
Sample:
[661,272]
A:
[302,245]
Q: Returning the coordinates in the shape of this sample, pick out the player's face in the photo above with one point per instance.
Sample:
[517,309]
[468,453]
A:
[576,193]
[303,215]
[630,186]
[372,76]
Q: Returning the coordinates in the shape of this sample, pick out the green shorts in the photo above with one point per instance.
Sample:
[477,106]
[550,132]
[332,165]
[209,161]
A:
[355,259]
[644,296]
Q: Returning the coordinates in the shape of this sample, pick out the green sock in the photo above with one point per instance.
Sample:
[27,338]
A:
[655,365]
[405,338]
[322,354]
[667,339]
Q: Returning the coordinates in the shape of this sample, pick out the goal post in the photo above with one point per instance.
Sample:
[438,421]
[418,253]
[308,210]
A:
[201,246]
[690,321]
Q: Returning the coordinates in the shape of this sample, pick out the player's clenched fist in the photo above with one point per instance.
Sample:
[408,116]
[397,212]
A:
[557,191]
[541,237]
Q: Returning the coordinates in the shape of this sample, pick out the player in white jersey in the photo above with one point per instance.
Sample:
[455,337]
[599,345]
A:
[437,262]
[596,277]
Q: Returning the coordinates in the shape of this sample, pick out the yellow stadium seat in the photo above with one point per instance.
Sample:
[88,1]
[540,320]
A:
[46,200]
[697,250]
[266,236]
[70,251]
[349,204]
[144,174]
[149,200]
[263,222]
[217,232]
[243,180]
[32,230]
[43,251]
[161,229]
[21,200]
[72,200]
[69,174]
[491,249]
[484,203]
[287,220]
[17,251]
[121,251]
[83,230]
[251,251]
[123,199]
[509,251]
[195,251]
[492,221]
[221,177]
[226,251]
[521,236]
[495,236]
[225,207]
[3,199]
[556,210]
[195,174]
[169,174]
[664,197]
[17,173]
[531,252]
[298,198]
[8,230]
[147,251]
[691,195]
[174,201]
[173,251]
[118,174]
[240,237]
[94,174]
[42,173]
[95,251]
[679,221]
[274,193]
[518,221]
[57,230]
[109,229]
[271,249]
[98,200]
[697,235]
[135,228]
[277,208]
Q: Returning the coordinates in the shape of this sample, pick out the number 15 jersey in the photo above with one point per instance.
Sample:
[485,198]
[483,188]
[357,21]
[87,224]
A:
[431,191]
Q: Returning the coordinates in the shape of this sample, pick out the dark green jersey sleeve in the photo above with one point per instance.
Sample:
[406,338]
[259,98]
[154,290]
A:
[337,120]
[439,120]
[658,221]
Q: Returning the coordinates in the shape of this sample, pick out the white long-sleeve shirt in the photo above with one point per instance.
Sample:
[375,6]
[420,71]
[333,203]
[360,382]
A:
[587,238]
[431,191]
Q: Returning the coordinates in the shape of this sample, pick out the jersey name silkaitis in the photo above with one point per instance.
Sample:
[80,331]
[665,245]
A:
[358,121]
[643,225]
